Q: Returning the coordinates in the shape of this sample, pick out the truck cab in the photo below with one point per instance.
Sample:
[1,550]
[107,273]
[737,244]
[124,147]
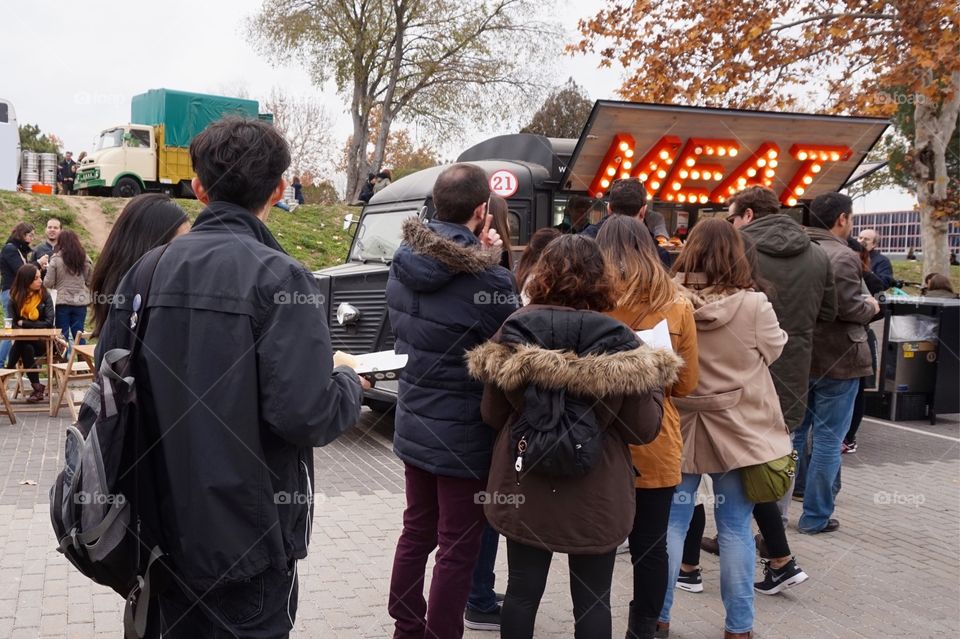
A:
[122,164]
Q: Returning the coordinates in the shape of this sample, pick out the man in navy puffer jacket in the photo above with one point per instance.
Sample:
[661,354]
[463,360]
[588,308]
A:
[446,294]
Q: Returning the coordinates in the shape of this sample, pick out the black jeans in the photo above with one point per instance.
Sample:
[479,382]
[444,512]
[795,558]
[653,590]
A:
[691,543]
[590,579]
[263,607]
[648,549]
[25,352]
[768,521]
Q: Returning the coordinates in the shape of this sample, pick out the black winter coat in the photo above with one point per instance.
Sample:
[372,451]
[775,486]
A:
[46,314]
[12,257]
[446,295]
[236,377]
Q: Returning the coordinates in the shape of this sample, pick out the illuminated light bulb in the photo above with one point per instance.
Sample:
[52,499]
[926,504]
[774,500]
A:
[655,186]
[664,155]
[802,155]
[815,168]
[695,174]
[684,174]
[709,150]
[773,163]
[742,181]
[731,190]
[823,155]
[722,150]
[624,175]
[769,173]
[761,162]
[799,190]
[676,186]
[703,199]
[661,174]
[690,162]
[628,153]
[834,156]
[751,171]
[807,179]
[681,198]
[733,151]
[717,176]
[698,150]
[771,154]
[611,171]
[792,201]
[670,196]
[720,199]
[643,177]
[669,161]
[653,166]
[624,146]
[767,182]
[627,165]
[604,182]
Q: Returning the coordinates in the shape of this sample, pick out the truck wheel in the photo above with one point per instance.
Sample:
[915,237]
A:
[126,187]
[380,406]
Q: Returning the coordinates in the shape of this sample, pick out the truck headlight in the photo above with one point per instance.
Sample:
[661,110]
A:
[347,314]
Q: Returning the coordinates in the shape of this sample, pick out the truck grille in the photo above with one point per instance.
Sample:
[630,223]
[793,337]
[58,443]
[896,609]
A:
[361,337]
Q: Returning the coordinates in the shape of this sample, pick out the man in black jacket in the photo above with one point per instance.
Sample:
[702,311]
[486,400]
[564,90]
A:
[629,197]
[446,293]
[235,377]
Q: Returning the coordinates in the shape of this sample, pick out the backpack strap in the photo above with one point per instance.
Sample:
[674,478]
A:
[141,293]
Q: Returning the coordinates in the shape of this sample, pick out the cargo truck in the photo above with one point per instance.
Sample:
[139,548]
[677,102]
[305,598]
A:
[151,153]
[689,159]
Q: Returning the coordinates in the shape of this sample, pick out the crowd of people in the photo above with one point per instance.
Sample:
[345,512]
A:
[536,403]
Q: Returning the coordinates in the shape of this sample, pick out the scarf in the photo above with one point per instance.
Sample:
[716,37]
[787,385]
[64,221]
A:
[29,310]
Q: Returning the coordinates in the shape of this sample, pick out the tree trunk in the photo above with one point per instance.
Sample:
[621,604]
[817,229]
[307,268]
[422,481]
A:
[357,165]
[388,111]
[934,127]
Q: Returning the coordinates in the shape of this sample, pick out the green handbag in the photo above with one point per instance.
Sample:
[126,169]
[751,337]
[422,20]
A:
[768,482]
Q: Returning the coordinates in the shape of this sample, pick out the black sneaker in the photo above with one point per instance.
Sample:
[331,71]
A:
[775,580]
[475,620]
[690,581]
[848,448]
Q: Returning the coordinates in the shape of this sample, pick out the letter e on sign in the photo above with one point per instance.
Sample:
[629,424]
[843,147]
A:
[504,183]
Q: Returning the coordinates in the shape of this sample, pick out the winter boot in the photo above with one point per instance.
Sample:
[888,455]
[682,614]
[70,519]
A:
[37,396]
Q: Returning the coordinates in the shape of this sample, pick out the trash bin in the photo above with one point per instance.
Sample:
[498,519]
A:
[919,370]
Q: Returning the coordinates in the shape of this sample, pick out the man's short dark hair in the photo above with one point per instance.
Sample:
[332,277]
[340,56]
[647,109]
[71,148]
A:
[240,160]
[827,208]
[759,199]
[627,197]
[458,191]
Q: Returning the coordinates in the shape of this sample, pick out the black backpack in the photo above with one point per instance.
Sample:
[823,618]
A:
[94,501]
[556,435]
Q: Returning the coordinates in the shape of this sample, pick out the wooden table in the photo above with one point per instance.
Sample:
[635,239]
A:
[45,335]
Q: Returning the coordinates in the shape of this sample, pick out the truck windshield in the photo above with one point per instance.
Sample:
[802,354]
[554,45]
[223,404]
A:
[110,139]
[379,235]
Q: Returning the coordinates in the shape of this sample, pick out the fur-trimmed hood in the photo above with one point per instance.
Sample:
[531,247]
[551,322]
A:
[610,362]
[444,247]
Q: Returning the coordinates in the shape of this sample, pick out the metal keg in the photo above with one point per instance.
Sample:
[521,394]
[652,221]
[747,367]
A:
[48,168]
[29,170]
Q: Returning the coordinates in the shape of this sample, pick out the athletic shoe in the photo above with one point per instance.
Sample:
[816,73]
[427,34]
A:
[848,448]
[775,580]
[475,620]
[798,497]
[690,581]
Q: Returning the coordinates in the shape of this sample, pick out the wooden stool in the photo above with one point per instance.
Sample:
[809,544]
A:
[5,375]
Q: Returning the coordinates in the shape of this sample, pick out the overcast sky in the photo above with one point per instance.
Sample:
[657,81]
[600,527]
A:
[72,67]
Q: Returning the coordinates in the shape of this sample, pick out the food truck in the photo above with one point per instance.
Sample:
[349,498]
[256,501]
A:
[690,160]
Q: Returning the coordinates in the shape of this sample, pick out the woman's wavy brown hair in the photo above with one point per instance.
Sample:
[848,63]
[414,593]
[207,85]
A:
[716,250]
[571,272]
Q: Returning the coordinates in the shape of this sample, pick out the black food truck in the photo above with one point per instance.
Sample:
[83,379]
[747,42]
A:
[690,159]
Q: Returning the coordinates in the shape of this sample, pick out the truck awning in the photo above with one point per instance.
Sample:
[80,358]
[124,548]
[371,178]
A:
[699,155]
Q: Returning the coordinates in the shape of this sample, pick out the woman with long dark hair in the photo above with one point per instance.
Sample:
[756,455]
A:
[69,274]
[556,362]
[500,211]
[732,419]
[646,296]
[30,307]
[15,253]
[147,221]
[531,255]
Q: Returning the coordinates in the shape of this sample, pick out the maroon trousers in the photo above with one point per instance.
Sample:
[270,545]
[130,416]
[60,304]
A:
[445,512]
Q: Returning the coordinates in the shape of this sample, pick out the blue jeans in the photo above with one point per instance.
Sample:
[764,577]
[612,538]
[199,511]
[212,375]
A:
[829,409]
[5,344]
[734,514]
[482,596]
[70,319]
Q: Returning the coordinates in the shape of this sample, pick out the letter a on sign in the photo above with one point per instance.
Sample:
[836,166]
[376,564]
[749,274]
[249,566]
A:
[504,183]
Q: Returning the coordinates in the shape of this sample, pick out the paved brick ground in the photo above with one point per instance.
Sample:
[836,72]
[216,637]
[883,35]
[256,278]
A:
[892,571]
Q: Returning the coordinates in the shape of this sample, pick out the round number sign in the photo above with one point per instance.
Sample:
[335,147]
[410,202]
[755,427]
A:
[504,183]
